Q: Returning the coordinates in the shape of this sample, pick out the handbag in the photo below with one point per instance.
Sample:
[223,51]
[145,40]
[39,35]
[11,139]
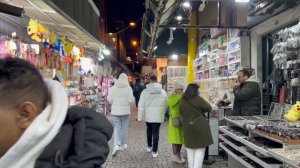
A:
[177,122]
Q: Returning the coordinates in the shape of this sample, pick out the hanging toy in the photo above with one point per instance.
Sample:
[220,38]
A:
[68,48]
[81,51]
[52,38]
[68,59]
[294,113]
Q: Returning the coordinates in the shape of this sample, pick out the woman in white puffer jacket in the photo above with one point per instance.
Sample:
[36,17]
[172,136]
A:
[121,98]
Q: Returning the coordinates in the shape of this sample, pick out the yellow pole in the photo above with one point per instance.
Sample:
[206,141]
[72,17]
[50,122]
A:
[192,47]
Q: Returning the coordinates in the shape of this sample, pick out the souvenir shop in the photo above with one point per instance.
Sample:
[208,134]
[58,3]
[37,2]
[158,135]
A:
[271,139]
[56,55]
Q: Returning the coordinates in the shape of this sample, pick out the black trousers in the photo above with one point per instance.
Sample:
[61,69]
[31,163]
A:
[153,135]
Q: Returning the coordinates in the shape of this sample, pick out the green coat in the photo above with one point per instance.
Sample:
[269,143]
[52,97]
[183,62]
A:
[247,99]
[175,135]
[196,128]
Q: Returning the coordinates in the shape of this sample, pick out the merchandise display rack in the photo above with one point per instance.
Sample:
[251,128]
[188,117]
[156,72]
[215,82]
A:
[218,62]
[238,140]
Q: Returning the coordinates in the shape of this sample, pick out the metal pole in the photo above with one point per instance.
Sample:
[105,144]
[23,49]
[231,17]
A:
[118,47]
[219,13]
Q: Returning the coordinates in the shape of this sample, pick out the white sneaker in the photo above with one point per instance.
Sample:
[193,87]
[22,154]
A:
[149,149]
[115,151]
[154,154]
[123,147]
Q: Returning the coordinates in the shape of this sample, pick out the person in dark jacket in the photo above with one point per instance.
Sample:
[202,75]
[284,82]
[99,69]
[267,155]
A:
[138,88]
[195,126]
[37,130]
[247,95]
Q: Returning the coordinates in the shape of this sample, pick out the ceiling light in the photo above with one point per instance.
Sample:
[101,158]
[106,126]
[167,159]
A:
[241,0]
[174,28]
[110,34]
[179,18]
[155,48]
[106,52]
[132,24]
[174,57]
[186,4]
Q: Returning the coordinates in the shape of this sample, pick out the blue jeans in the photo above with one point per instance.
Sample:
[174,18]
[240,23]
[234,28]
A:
[120,129]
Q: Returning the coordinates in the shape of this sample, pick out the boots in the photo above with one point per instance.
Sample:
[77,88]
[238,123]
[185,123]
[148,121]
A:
[178,159]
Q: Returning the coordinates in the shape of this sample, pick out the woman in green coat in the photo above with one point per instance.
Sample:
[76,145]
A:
[175,134]
[196,130]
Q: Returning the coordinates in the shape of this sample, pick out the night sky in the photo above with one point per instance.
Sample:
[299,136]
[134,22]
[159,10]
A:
[120,14]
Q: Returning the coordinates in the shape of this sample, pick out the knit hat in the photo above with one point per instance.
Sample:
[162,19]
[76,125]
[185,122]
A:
[178,86]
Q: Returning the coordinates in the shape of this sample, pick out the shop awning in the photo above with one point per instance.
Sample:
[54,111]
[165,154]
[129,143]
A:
[48,14]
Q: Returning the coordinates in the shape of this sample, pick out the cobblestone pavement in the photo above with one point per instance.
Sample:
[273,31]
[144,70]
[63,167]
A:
[135,156]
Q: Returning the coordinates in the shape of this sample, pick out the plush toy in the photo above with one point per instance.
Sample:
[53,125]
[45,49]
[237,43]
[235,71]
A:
[46,35]
[52,38]
[32,27]
[294,113]
[68,48]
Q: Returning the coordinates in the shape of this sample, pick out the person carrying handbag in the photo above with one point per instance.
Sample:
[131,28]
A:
[175,134]
[195,126]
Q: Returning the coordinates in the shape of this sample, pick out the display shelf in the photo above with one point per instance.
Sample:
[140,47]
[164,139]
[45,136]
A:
[255,147]
[222,145]
[235,51]
[267,137]
[294,163]
[243,162]
[233,62]
[235,40]
[229,142]
[256,159]
[232,135]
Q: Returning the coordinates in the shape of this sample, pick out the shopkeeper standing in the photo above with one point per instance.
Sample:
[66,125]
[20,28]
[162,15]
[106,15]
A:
[247,101]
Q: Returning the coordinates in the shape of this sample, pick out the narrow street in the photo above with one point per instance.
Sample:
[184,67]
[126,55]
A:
[136,155]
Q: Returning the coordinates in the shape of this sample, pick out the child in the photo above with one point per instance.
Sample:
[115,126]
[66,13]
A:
[38,130]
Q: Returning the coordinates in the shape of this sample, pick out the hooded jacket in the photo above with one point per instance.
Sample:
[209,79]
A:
[120,96]
[153,104]
[81,143]
[247,98]
[61,138]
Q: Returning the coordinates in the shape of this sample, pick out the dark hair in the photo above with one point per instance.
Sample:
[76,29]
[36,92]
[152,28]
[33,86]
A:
[191,91]
[153,78]
[20,81]
[246,72]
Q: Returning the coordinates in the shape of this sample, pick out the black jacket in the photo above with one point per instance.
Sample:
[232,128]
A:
[247,99]
[81,143]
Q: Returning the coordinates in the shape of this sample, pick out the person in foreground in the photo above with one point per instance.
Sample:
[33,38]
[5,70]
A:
[175,134]
[152,108]
[196,130]
[247,95]
[37,130]
[121,98]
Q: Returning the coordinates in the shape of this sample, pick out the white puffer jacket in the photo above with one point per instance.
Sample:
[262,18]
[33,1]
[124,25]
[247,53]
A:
[153,104]
[120,96]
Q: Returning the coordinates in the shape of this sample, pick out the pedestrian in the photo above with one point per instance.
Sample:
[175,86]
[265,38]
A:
[38,130]
[152,107]
[122,101]
[247,95]
[175,134]
[196,130]
[138,88]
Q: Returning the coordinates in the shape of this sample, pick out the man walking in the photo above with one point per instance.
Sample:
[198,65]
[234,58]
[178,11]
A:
[152,107]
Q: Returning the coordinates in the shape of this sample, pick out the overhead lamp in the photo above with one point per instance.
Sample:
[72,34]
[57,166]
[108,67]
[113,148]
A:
[186,4]
[155,48]
[132,24]
[174,57]
[134,43]
[106,52]
[179,18]
[114,39]
[241,0]
[110,34]
[174,28]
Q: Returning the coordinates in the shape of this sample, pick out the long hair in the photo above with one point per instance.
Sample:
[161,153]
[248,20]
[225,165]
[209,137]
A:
[191,92]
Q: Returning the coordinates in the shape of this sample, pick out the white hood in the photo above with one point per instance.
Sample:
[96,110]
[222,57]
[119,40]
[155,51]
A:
[154,87]
[122,82]
[40,133]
